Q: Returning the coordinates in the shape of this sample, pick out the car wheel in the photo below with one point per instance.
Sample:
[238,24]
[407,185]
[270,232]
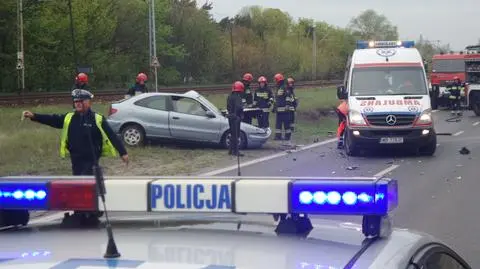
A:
[350,148]
[133,135]
[242,140]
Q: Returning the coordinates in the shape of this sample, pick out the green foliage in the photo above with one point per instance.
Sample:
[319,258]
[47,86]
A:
[111,37]
[373,26]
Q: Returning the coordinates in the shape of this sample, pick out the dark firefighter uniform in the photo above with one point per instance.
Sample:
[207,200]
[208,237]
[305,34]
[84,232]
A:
[280,107]
[342,112]
[247,98]
[263,99]
[139,86]
[456,94]
[292,101]
[81,82]
[235,113]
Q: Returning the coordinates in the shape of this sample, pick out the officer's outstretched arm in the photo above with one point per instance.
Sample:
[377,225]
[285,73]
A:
[117,143]
[53,120]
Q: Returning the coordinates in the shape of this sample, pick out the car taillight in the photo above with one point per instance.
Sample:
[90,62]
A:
[73,195]
[112,110]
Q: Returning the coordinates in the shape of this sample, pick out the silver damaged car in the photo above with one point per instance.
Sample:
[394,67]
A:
[184,117]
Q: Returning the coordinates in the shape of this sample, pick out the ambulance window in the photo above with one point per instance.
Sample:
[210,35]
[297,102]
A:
[388,81]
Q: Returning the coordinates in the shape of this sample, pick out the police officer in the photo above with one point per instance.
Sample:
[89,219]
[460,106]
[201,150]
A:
[81,82]
[456,94]
[342,112]
[247,98]
[292,101]
[139,86]
[86,136]
[263,99]
[280,107]
[235,113]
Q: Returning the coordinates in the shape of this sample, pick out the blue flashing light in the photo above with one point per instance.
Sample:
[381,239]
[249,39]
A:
[362,44]
[357,197]
[23,195]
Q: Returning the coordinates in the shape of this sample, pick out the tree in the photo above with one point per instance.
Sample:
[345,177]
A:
[370,25]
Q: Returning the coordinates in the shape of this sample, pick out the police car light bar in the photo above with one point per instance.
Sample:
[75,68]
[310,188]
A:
[315,196]
[362,44]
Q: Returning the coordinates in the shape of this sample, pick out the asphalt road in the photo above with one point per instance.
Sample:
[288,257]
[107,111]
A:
[438,195]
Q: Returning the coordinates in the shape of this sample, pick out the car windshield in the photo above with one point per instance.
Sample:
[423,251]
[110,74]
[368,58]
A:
[209,104]
[388,81]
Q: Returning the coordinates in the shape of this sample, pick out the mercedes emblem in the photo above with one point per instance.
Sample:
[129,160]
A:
[391,120]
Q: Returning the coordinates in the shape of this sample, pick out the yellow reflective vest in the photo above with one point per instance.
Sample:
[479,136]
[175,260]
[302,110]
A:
[108,150]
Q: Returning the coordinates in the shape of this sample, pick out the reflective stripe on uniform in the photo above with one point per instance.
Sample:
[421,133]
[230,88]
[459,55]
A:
[108,150]
[278,131]
[281,109]
[288,131]
[265,109]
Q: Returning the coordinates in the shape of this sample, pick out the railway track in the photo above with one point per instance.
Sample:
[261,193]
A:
[112,95]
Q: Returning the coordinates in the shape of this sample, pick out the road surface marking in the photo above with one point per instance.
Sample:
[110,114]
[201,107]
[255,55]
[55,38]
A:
[476,123]
[438,144]
[458,133]
[435,110]
[386,170]
[266,158]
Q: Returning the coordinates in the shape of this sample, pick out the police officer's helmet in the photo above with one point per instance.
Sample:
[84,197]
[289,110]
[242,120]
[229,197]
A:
[81,94]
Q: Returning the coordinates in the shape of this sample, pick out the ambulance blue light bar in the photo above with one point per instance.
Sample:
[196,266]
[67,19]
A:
[362,44]
[361,197]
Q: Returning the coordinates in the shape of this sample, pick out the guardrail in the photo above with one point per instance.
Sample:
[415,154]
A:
[110,95]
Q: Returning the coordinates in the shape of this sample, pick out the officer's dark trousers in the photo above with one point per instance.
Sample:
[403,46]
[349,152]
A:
[84,167]
[234,124]
[283,120]
[292,120]
[263,120]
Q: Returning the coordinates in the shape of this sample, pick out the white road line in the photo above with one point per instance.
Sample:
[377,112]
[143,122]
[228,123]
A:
[386,170]
[438,144]
[476,123]
[458,133]
[266,158]
[59,215]
[435,110]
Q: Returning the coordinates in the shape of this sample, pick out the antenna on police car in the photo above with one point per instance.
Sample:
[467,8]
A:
[239,173]
[112,251]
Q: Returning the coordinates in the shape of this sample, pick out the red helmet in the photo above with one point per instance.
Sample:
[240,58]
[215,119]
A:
[81,77]
[141,77]
[278,77]
[248,77]
[238,87]
[262,79]
[290,81]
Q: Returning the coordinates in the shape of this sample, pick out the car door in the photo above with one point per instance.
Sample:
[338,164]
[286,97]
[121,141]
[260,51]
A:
[437,256]
[189,121]
[152,113]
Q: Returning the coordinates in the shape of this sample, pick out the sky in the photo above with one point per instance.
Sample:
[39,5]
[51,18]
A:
[456,22]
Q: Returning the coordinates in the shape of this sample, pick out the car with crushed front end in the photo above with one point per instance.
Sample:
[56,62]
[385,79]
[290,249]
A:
[181,117]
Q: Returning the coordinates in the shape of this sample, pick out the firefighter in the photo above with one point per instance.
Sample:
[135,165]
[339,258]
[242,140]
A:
[81,82]
[342,112]
[86,136]
[235,113]
[247,98]
[263,99]
[139,86]
[280,107]
[455,97]
[292,101]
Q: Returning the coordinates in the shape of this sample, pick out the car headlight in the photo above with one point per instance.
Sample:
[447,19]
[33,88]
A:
[260,131]
[425,118]
[356,118]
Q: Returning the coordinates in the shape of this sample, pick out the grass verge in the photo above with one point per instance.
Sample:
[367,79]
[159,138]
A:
[29,148]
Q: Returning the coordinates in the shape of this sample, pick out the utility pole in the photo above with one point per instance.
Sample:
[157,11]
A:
[232,46]
[72,33]
[20,53]
[314,52]
[153,42]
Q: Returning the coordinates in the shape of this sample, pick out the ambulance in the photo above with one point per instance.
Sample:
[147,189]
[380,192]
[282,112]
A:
[386,89]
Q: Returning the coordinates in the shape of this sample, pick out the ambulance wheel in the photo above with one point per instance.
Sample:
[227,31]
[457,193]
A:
[14,218]
[350,148]
[429,149]
[476,109]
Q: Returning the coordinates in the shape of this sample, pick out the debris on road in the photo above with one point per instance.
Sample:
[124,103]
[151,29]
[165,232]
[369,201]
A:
[352,168]
[389,162]
[464,151]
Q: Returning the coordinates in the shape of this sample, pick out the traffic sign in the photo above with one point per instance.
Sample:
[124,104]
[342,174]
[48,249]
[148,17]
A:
[155,62]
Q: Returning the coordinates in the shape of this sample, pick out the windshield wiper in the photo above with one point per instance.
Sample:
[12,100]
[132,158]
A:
[405,93]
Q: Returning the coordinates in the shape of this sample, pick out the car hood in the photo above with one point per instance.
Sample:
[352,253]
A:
[183,245]
[397,103]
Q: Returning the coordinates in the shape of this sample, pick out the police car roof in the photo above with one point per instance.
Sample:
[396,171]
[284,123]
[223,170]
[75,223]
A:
[378,56]
[176,242]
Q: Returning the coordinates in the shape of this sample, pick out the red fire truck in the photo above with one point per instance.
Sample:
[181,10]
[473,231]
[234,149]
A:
[472,78]
[444,68]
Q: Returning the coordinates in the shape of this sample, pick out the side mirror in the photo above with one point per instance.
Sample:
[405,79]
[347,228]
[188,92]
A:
[342,92]
[210,114]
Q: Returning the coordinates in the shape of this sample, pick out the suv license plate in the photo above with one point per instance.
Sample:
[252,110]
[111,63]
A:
[391,140]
